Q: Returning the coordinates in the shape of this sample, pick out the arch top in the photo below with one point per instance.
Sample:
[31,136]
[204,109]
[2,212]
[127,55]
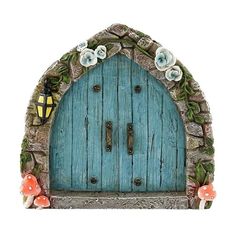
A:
[152,57]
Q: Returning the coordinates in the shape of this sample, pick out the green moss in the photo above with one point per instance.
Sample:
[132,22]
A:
[140,34]
[37,169]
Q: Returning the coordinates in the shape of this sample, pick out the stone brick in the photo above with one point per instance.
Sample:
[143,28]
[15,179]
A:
[208,130]
[194,129]
[134,36]
[194,84]
[204,107]
[146,62]
[157,74]
[76,70]
[145,43]
[207,117]
[103,35]
[168,84]
[127,44]
[114,50]
[194,156]
[42,159]
[118,29]
[44,180]
[129,52]
[193,142]
[197,97]
[153,48]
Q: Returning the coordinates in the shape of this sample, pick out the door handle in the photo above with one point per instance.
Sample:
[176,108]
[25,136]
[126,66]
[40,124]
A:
[108,136]
[130,139]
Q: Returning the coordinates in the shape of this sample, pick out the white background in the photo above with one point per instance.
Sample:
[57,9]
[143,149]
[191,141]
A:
[36,33]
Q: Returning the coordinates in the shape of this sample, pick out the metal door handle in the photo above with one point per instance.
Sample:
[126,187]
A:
[130,139]
[108,136]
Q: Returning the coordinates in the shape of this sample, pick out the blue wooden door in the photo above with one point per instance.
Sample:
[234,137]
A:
[120,92]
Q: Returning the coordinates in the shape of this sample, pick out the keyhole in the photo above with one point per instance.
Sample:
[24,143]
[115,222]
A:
[93,180]
[137,181]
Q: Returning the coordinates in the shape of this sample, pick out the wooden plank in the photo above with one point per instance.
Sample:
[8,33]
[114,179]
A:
[155,131]
[168,161]
[61,145]
[139,109]
[110,160]
[94,129]
[125,117]
[180,165]
[80,134]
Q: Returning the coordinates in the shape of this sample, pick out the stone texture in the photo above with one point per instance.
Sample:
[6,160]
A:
[42,159]
[146,62]
[126,44]
[29,166]
[207,129]
[194,84]
[120,200]
[153,48]
[157,74]
[76,70]
[103,35]
[114,50]
[145,43]
[44,180]
[118,29]
[168,84]
[197,97]
[204,107]
[193,142]
[207,117]
[194,129]
[134,36]
[182,109]
[194,156]
[127,52]
[174,92]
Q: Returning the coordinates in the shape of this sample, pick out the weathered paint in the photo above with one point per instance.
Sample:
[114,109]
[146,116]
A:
[77,149]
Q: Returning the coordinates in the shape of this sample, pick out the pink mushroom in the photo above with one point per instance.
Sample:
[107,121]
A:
[206,193]
[30,188]
[41,202]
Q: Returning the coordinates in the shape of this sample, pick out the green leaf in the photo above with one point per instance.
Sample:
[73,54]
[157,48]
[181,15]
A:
[199,119]
[195,107]
[188,90]
[66,79]
[209,150]
[209,167]
[209,141]
[200,173]
[181,96]
[75,57]
[66,57]
[189,114]
[193,180]
[208,205]
[63,69]
[24,144]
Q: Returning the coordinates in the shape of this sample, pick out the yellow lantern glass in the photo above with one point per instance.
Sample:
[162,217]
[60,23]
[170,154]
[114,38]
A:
[44,105]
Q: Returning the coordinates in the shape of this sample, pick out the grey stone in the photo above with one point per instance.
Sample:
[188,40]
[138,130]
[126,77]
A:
[204,107]
[193,142]
[44,180]
[29,165]
[118,29]
[114,50]
[127,44]
[208,130]
[76,70]
[194,156]
[194,129]
[174,92]
[182,107]
[194,84]
[207,117]
[104,35]
[157,74]
[145,43]
[105,200]
[129,52]
[134,36]
[42,159]
[168,84]
[153,48]
[197,97]
[146,62]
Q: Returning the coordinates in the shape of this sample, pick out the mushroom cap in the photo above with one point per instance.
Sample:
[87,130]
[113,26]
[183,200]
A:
[30,186]
[41,201]
[206,192]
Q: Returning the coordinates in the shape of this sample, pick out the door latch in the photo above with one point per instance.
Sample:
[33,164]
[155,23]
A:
[130,139]
[108,136]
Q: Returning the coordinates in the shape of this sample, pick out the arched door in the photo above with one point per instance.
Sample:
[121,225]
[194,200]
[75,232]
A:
[117,129]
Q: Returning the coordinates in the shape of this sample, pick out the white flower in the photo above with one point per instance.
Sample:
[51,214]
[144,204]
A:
[88,57]
[174,73]
[81,46]
[164,59]
[101,52]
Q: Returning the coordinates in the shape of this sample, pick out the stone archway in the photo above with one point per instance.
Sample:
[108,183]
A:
[186,94]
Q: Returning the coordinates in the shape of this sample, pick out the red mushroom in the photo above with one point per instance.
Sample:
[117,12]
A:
[41,202]
[30,188]
[206,193]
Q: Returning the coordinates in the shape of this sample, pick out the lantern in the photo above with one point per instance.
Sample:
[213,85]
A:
[45,104]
